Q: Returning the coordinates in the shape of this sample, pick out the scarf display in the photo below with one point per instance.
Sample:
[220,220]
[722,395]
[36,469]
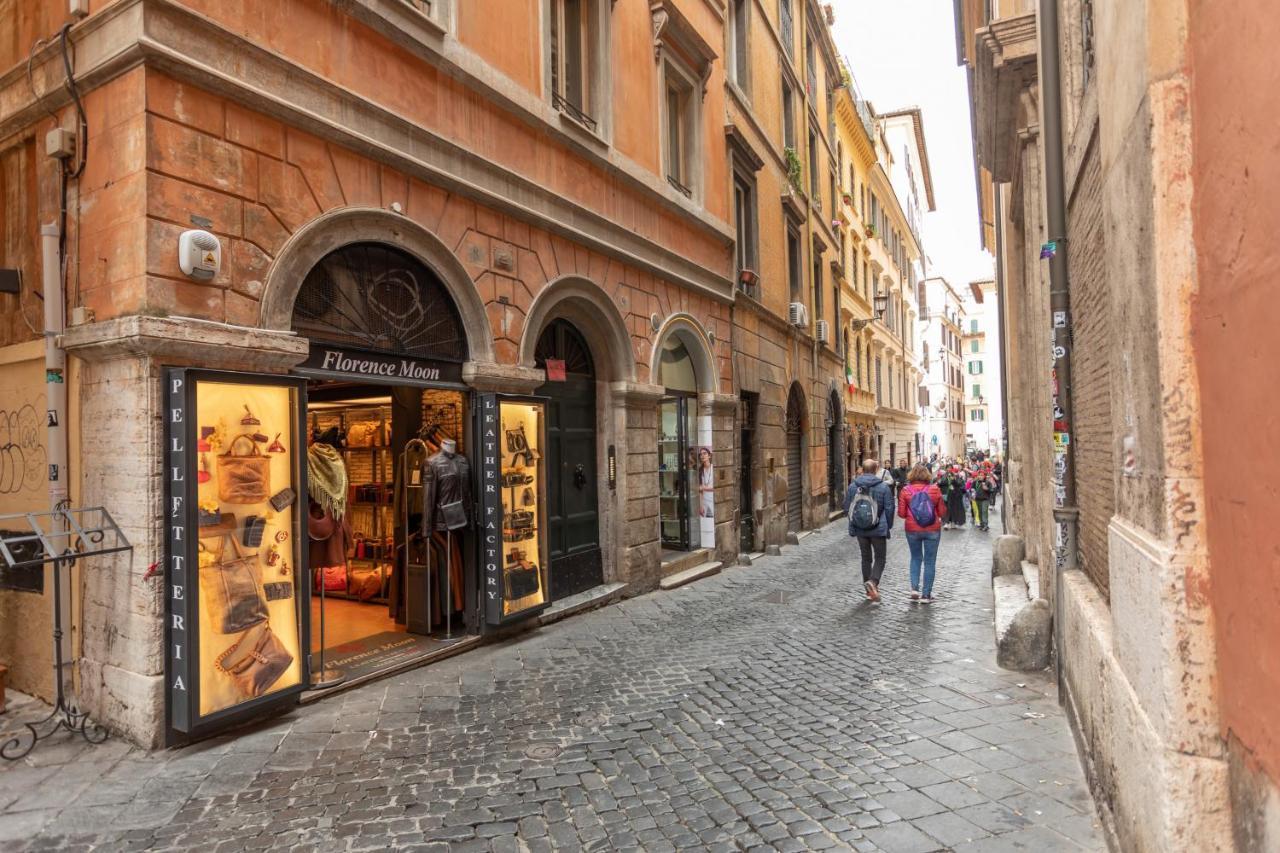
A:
[327,479]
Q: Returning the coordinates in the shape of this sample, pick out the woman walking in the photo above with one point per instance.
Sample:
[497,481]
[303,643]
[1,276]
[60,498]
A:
[921,505]
[955,498]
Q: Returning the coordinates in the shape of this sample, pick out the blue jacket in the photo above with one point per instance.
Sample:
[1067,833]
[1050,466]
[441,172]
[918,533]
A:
[880,492]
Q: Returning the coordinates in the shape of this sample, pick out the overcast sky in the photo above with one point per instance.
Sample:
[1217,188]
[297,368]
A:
[903,54]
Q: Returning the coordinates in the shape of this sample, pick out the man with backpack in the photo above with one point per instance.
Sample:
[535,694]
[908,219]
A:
[923,507]
[869,507]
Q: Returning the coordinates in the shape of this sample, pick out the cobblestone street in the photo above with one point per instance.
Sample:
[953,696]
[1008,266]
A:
[766,708]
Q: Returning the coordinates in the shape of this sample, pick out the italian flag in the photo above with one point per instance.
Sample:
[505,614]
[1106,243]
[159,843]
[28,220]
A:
[848,375]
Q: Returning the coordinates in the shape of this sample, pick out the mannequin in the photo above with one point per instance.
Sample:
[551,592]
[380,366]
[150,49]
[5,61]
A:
[447,507]
[447,477]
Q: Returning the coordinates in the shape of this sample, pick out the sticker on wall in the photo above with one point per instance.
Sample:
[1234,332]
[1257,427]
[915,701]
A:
[1059,319]
[1048,250]
[1061,440]
[1059,353]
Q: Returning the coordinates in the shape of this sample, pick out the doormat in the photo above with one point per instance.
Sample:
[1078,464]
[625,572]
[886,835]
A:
[381,651]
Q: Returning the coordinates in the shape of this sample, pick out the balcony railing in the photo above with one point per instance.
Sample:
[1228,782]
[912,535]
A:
[573,111]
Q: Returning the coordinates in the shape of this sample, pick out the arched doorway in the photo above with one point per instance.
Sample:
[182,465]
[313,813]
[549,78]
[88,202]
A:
[835,451]
[385,393]
[573,513]
[678,504]
[795,459]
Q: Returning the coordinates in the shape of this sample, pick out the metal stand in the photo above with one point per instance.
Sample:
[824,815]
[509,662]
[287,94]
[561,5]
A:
[72,535]
[323,677]
[448,585]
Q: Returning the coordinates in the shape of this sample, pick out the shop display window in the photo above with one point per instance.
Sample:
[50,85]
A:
[511,441]
[237,634]
[247,596]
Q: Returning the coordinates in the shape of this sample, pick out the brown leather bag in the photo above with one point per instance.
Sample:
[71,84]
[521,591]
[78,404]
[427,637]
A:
[230,591]
[255,661]
[244,479]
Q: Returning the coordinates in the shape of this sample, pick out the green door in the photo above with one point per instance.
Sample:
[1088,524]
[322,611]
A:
[573,511]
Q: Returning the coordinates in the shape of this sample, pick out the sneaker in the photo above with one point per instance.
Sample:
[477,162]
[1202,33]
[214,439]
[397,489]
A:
[926,599]
[915,595]
[869,586]
[873,591]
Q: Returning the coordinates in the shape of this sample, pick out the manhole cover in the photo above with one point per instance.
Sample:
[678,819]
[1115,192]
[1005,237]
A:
[542,751]
[779,596]
[592,718]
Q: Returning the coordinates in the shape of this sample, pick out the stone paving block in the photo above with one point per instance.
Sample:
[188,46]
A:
[678,729]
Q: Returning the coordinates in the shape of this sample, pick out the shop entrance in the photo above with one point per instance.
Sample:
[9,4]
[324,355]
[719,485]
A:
[795,459]
[681,461]
[388,426]
[573,513]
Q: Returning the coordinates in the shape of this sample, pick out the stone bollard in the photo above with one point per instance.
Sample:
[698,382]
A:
[1007,554]
[1025,646]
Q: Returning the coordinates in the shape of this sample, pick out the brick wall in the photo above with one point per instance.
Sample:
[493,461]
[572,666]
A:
[1093,437]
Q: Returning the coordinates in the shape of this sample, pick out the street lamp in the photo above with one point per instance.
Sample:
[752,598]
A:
[881,302]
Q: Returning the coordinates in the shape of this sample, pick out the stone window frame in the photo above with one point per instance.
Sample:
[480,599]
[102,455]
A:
[737,47]
[600,98]
[680,52]
[674,75]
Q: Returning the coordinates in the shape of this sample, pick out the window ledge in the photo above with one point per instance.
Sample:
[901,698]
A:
[580,131]
[406,17]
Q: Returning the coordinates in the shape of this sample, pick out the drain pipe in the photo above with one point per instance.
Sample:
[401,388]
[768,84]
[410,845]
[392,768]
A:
[55,375]
[1065,513]
[998,213]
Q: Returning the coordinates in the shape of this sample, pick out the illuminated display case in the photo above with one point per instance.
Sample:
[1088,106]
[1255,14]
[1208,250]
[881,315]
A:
[236,577]
[512,435]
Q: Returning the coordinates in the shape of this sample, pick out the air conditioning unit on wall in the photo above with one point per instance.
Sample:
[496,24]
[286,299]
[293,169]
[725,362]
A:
[798,315]
[823,332]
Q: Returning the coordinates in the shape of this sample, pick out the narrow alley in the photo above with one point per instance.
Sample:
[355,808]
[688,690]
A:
[767,708]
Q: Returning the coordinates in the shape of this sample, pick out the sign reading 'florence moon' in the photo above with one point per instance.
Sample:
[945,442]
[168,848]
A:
[335,361]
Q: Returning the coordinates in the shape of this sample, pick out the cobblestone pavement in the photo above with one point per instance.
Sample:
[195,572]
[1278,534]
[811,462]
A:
[767,708]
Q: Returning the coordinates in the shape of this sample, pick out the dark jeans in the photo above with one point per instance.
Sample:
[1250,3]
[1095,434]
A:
[872,548]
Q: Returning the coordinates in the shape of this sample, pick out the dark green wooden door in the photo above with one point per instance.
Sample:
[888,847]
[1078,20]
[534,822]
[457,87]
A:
[573,511]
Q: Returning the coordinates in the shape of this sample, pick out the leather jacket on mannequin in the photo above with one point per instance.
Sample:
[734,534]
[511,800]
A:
[447,477]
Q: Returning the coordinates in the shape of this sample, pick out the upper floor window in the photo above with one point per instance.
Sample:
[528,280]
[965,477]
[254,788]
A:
[788,115]
[973,346]
[793,263]
[814,187]
[787,26]
[744,214]
[680,121]
[739,23]
[973,326]
[575,58]
[975,368]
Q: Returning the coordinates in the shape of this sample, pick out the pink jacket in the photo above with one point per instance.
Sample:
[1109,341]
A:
[939,507]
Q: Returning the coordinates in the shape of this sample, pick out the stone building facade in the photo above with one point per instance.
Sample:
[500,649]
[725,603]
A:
[1147,571]
[942,335]
[788,367]
[299,128]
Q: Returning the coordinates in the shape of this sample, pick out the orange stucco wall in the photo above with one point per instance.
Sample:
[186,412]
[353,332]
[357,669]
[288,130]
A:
[1235,98]
[270,179]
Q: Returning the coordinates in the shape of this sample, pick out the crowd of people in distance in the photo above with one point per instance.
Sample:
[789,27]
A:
[931,496]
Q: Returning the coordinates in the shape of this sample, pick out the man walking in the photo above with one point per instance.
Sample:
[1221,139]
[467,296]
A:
[869,506]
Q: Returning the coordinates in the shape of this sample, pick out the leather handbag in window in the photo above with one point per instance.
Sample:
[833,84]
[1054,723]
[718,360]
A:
[243,478]
[230,591]
[521,581]
[363,435]
[255,661]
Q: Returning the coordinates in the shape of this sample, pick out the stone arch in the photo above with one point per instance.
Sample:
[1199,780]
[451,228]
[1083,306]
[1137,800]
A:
[690,332]
[586,305]
[346,225]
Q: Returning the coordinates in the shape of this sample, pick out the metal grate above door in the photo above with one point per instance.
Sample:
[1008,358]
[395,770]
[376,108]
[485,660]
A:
[375,297]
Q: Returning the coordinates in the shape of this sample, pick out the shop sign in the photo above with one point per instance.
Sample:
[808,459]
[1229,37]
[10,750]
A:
[490,507]
[178,673]
[336,361]
[555,370]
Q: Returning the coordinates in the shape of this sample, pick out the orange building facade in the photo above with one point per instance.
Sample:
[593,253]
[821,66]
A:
[410,211]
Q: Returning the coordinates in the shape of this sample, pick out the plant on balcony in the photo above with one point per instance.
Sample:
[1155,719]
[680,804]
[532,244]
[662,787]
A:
[848,199]
[794,171]
[871,230]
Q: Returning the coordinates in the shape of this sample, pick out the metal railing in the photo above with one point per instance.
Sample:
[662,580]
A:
[575,112]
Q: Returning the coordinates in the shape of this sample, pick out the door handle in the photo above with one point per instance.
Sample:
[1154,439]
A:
[579,477]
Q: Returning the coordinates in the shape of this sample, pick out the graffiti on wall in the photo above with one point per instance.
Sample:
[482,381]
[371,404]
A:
[23,458]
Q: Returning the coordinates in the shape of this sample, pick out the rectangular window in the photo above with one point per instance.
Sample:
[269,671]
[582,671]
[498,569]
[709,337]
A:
[788,115]
[973,326]
[744,214]
[975,368]
[738,22]
[793,263]
[678,146]
[973,346]
[879,388]
[788,26]
[811,67]
[977,391]
[813,170]
[817,286]
[573,47]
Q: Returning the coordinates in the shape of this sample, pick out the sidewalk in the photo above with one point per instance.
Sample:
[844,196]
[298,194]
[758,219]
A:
[768,707]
